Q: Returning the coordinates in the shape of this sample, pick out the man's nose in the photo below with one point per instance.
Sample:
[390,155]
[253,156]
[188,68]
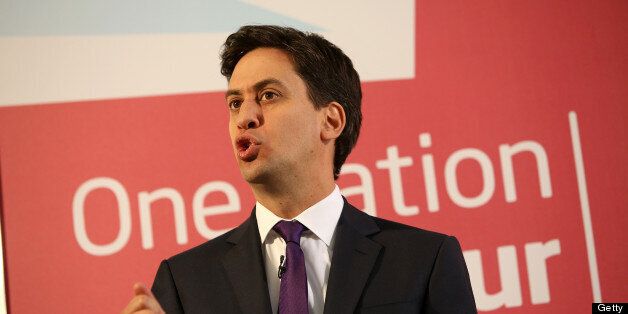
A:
[250,115]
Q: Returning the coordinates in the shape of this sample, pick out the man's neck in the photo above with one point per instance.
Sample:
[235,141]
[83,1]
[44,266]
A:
[289,201]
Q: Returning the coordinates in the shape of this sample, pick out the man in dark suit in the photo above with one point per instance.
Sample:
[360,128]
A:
[294,102]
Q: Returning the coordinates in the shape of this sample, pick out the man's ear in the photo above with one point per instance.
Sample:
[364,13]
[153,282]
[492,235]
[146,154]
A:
[334,121]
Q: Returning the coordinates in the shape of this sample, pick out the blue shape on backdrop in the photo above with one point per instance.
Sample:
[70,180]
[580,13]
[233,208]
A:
[115,17]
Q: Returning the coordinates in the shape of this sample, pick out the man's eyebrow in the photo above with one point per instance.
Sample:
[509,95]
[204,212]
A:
[232,92]
[259,85]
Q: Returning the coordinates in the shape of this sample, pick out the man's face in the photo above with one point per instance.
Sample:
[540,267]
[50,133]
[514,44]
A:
[274,127]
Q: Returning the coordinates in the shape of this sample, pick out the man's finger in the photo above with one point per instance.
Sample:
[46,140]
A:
[139,288]
[143,302]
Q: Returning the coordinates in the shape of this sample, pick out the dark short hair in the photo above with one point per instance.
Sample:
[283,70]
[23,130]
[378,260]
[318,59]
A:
[327,72]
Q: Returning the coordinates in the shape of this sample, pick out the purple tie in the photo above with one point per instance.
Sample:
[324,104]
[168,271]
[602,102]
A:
[293,289]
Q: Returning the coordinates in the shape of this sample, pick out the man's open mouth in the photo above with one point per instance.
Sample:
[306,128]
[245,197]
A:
[247,147]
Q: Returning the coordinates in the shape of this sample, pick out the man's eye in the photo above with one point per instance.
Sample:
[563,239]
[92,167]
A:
[268,96]
[235,104]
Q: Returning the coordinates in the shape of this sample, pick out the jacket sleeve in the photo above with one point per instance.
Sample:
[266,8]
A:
[449,288]
[165,290]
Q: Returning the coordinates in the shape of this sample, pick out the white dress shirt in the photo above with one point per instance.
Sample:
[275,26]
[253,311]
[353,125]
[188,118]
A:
[317,244]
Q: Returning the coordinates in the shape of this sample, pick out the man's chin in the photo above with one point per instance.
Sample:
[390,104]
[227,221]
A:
[253,174]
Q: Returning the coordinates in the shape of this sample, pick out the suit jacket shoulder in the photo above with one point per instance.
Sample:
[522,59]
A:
[391,231]
[209,252]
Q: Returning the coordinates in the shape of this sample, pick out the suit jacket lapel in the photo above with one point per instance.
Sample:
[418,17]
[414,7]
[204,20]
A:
[352,261]
[244,266]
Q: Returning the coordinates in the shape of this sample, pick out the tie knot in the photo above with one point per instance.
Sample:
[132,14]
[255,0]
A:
[290,231]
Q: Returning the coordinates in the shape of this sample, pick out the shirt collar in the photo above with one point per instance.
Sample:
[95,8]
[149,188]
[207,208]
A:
[321,218]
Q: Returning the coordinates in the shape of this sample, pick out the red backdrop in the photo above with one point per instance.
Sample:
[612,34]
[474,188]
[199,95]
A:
[488,74]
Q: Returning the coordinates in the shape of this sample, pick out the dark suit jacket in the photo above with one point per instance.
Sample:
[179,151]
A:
[378,266]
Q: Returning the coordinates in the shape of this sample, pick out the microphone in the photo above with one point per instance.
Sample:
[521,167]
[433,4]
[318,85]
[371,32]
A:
[282,267]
